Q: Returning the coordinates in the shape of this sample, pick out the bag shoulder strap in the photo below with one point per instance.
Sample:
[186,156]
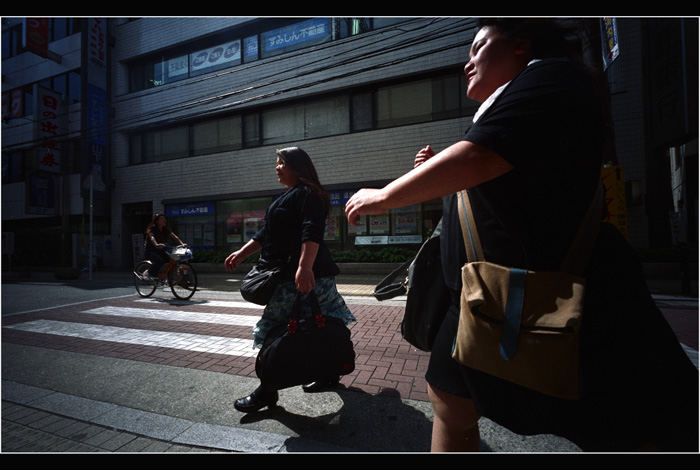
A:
[387,288]
[579,252]
[472,243]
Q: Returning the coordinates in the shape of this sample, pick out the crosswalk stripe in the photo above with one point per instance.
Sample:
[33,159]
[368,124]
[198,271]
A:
[211,303]
[185,341]
[198,317]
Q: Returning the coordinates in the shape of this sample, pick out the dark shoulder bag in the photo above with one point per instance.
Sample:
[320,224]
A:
[427,296]
[261,281]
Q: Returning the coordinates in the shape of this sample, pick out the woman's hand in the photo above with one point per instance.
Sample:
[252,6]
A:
[237,257]
[304,279]
[364,202]
[233,260]
[422,156]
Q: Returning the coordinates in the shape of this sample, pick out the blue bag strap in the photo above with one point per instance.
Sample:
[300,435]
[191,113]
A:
[514,309]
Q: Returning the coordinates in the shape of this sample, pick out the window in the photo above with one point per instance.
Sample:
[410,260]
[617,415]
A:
[362,112]
[210,53]
[12,41]
[327,117]
[73,88]
[283,124]
[217,136]
[411,102]
[404,104]
[214,58]
[421,101]
[239,219]
[170,70]
[160,145]
[64,27]
[251,130]
[13,167]
[250,49]
[305,121]
[346,27]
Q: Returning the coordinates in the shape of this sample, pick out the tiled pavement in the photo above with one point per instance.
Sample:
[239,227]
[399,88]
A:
[29,430]
[209,333]
[212,334]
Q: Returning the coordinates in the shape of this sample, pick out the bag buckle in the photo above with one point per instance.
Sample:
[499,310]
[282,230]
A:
[320,321]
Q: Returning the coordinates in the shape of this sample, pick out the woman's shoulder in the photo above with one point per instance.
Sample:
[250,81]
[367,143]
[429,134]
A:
[565,69]
[300,191]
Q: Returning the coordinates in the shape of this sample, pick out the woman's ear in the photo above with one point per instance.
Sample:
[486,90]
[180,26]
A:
[522,49]
[521,45]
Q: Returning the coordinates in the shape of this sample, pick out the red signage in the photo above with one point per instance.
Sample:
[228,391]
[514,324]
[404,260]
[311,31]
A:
[36,36]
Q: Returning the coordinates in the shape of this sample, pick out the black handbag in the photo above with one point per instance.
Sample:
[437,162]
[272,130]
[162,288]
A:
[261,281]
[309,348]
[427,296]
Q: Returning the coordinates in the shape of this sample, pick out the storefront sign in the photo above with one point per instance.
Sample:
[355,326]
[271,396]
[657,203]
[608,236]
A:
[311,31]
[184,210]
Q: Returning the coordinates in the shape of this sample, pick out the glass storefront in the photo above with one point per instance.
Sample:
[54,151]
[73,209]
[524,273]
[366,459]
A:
[229,224]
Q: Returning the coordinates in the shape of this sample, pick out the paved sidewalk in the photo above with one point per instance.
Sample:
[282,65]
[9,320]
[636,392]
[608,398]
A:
[142,414]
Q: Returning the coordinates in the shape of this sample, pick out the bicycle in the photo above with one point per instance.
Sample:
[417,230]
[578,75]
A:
[177,273]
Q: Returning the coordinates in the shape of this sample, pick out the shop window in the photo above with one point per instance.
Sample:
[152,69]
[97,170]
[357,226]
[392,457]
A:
[194,223]
[239,219]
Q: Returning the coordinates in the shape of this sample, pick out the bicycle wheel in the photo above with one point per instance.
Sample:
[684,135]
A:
[144,288]
[183,281]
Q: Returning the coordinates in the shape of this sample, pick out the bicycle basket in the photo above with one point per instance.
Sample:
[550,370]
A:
[181,253]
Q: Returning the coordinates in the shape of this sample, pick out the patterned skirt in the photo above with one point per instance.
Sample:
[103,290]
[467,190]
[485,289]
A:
[277,311]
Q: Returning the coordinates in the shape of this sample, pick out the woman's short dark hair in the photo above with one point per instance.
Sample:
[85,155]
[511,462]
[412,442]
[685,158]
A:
[548,37]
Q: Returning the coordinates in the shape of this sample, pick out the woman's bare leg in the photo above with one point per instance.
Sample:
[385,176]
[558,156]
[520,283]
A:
[455,423]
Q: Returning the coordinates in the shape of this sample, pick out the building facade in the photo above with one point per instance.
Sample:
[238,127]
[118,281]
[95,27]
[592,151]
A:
[182,116]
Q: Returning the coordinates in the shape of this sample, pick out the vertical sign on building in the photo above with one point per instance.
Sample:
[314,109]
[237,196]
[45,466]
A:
[608,31]
[614,182]
[36,36]
[95,123]
[48,129]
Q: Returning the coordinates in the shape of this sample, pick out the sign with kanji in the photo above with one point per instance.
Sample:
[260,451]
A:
[614,182]
[50,114]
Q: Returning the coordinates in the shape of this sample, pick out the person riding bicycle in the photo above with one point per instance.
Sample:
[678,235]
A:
[157,235]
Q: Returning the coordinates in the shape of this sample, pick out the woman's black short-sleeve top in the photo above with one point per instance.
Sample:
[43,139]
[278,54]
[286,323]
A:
[296,216]
[548,124]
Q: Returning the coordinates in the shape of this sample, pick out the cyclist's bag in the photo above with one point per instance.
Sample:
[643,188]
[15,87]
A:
[310,347]
[427,296]
[181,253]
[260,283]
[523,326]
